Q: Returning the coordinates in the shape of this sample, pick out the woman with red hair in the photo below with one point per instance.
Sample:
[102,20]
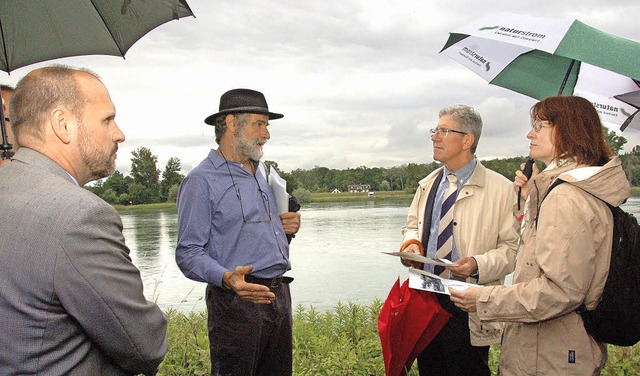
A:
[563,259]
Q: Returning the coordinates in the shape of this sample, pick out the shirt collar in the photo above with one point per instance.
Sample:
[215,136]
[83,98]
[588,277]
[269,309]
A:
[560,162]
[74,179]
[464,173]
[218,160]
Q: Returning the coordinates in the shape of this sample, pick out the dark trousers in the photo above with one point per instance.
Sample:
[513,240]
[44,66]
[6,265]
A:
[451,353]
[247,338]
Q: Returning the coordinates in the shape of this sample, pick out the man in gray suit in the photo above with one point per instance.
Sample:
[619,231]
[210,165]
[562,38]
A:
[71,300]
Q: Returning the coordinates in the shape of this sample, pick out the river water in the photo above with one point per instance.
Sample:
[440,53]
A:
[336,256]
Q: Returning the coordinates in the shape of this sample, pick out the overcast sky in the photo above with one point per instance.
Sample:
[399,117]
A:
[360,82]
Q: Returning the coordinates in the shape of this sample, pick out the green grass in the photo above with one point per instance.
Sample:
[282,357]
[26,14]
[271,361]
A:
[188,345]
[341,341]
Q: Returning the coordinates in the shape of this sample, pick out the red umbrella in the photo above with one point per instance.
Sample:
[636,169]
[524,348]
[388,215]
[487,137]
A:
[409,320]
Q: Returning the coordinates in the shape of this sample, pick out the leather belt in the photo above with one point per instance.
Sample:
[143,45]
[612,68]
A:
[269,282]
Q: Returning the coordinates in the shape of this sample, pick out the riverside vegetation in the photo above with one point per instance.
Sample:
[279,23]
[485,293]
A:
[342,341]
[147,184]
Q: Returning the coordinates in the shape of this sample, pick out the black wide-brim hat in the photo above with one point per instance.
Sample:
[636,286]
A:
[238,101]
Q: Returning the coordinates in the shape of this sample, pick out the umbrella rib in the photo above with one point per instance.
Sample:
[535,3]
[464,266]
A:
[4,146]
[628,121]
[93,2]
[566,77]
[4,45]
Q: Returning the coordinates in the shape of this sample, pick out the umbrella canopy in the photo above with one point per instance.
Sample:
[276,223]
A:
[633,99]
[39,30]
[33,31]
[408,322]
[542,57]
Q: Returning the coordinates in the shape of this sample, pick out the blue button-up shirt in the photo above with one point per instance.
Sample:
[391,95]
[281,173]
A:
[227,217]
[463,175]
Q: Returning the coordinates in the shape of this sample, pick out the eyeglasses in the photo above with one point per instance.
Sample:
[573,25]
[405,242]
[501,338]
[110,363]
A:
[537,125]
[258,216]
[444,132]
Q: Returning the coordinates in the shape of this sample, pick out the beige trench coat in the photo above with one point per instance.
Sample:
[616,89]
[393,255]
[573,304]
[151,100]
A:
[484,228]
[562,263]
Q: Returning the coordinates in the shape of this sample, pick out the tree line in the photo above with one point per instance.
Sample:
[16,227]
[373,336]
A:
[147,184]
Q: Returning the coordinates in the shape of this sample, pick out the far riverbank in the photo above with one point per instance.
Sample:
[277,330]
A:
[323,197]
[315,198]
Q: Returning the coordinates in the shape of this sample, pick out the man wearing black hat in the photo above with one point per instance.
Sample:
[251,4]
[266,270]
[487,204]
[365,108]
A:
[231,237]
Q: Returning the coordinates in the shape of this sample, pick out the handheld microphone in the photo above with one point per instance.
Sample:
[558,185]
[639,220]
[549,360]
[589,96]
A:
[528,170]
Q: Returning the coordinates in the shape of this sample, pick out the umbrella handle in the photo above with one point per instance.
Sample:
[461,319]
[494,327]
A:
[528,170]
[5,146]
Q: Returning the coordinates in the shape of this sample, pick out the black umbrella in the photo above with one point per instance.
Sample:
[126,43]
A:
[33,31]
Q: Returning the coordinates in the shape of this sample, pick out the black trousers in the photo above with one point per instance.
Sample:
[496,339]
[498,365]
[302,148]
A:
[451,353]
[247,338]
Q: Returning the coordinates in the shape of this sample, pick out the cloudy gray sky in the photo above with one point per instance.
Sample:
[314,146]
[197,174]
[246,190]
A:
[360,82]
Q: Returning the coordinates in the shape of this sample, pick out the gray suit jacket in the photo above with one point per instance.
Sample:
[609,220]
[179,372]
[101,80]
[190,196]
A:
[71,300]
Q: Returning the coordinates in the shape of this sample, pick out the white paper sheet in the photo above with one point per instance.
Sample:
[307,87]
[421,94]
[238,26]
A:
[425,260]
[279,188]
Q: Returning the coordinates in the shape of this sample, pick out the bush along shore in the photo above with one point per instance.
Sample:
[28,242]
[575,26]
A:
[341,341]
[315,198]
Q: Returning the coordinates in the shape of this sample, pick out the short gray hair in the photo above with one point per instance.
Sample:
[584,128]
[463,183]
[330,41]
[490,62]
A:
[221,125]
[468,119]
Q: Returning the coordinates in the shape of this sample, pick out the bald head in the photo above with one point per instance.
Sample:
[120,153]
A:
[39,92]
[67,114]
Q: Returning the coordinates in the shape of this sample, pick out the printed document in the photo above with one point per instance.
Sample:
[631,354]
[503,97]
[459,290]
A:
[421,280]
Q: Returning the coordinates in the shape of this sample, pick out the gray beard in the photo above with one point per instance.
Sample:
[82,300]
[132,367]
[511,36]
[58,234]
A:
[251,150]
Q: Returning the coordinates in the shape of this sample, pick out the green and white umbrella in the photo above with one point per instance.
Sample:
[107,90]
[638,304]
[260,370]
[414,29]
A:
[542,57]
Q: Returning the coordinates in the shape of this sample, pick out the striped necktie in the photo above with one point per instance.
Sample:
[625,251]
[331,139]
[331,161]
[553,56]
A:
[445,230]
